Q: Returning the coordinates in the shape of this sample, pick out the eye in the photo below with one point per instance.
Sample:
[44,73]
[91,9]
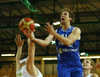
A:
[65,13]
[87,62]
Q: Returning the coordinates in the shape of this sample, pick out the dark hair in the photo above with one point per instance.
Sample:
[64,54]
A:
[71,15]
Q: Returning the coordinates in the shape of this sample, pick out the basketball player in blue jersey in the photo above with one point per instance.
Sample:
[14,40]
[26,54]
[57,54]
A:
[67,45]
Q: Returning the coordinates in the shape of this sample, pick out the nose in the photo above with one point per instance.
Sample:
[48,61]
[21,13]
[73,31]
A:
[84,62]
[62,15]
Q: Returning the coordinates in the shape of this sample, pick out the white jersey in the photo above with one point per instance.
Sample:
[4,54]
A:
[22,72]
[89,75]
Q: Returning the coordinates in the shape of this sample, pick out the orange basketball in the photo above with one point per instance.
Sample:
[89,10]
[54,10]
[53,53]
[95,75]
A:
[98,65]
[27,24]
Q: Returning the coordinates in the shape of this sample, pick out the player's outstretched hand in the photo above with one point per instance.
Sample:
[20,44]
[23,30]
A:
[18,40]
[49,28]
[29,34]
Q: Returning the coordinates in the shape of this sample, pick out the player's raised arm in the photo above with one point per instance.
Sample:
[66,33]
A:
[26,66]
[19,44]
[30,65]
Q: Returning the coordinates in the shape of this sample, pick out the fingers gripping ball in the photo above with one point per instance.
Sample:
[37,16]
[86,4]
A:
[98,65]
[27,24]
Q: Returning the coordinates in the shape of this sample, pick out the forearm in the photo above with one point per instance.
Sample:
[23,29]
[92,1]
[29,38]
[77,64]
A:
[44,42]
[19,51]
[40,42]
[31,54]
[31,51]
[62,39]
[18,55]
[70,39]
[30,66]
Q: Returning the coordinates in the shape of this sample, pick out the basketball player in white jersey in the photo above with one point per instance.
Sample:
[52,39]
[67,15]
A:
[26,67]
[87,67]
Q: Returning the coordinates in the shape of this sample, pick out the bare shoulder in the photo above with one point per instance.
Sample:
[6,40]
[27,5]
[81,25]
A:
[77,30]
[94,75]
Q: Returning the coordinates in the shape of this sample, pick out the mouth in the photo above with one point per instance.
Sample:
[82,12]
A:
[62,19]
[84,65]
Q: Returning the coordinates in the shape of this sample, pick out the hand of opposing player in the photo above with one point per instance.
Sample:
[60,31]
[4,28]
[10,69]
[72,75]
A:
[18,40]
[29,34]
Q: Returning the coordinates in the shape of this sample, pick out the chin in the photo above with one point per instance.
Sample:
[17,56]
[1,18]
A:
[62,23]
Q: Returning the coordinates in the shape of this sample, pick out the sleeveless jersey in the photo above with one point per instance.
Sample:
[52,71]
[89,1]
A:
[67,53]
[22,72]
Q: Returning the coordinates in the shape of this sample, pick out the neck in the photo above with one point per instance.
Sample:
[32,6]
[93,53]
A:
[65,26]
[86,72]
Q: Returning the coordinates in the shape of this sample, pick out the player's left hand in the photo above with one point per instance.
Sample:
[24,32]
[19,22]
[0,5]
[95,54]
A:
[49,28]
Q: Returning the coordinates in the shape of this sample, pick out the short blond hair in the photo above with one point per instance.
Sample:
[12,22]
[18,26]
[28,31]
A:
[92,62]
[70,13]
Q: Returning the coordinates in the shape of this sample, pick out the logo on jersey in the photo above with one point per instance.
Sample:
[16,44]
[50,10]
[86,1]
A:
[60,50]
[19,72]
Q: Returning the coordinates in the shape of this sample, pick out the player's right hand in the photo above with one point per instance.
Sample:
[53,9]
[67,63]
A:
[29,35]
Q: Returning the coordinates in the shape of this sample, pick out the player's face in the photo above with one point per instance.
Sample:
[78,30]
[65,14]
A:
[65,17]
[87,64]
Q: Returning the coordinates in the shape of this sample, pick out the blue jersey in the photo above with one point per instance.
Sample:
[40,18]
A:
[67,53]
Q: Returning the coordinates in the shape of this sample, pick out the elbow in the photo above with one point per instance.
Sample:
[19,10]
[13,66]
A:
[30,67]
[45,45]
[68,43]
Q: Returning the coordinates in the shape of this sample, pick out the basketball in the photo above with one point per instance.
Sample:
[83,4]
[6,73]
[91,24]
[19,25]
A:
[98,65]
[27,24]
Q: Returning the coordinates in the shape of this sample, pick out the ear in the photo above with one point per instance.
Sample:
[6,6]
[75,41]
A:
[70,19]
[91,67]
